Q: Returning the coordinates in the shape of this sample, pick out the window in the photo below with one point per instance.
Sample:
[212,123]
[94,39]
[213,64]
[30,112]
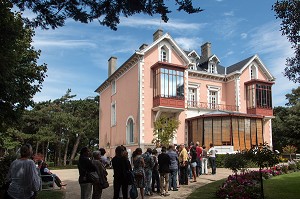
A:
[213,99]
[113,87]
[168,83]
[192,97]
[259,96]
[264,97]
[253,73]
[113,114]
[164,54]
[129,130]
[212,68]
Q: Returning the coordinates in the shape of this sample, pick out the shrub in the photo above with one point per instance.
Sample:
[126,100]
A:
[5,164]
[220,160]
[292,165]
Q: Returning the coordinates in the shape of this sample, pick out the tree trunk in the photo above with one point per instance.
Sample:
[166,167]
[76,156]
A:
[66,152]
[75,147]
[37,147]
[46,152]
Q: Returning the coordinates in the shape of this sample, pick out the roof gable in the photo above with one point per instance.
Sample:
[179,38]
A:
[172,42]
[242,65]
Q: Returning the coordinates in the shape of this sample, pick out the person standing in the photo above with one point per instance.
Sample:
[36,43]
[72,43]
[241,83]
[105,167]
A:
[102,173]
[23,175]
[138,170]
[120,167]
[85,166]
[212,158]
[183,162]
[164,163]
[155,173]
[204,160]
[193,154]
[173,168]
[199,159]
[149,164]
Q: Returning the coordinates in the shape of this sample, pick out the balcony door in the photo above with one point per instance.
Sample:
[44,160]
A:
[213,99]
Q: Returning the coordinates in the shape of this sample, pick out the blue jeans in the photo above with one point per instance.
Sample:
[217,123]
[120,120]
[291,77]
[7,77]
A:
[212,161]
[173,179]
[148,174]
[199,167]
[86,190]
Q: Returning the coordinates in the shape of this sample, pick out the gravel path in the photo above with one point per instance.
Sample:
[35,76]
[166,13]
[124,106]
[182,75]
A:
[70,176]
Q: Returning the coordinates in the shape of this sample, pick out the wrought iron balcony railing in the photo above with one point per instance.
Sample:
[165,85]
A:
[206,105]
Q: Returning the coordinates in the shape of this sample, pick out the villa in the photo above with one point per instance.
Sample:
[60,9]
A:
[230,107]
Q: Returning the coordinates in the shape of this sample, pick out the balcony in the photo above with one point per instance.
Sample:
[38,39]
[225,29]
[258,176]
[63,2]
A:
[175,102]
[260,111]
[212,106]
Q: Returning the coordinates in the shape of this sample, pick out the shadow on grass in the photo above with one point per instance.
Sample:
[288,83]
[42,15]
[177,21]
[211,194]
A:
[207,191]
[51,194]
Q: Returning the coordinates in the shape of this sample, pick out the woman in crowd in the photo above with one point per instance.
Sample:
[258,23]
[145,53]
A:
[204,160]
[193,154]
[138,170]
[120,167]
[212,158]
[102,173]
[85,166]
[23,176]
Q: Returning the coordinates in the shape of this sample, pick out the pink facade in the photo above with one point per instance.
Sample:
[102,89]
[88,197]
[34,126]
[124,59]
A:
[162,78]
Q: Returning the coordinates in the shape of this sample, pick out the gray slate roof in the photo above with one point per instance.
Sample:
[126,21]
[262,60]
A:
[238,66]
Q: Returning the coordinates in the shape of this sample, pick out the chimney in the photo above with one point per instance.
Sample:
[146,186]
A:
[157,34]
[112,62]
[206,50]
[143,46]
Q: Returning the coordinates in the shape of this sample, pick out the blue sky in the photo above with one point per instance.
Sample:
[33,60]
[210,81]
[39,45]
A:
[77,54]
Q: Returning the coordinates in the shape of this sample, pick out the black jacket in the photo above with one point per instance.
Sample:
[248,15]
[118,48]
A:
[85,165]
[164,163]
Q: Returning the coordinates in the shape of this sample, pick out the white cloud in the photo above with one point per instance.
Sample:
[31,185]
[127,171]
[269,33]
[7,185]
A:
[64,43]
[231,13]
[227,27]
[188,43]
[244,35]
[150,23]
[268,42]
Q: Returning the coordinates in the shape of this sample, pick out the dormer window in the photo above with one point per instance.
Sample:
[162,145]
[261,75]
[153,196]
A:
[253,72]
[164,54]
[212,68]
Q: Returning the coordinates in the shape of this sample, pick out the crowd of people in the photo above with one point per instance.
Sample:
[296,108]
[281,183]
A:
[158,170]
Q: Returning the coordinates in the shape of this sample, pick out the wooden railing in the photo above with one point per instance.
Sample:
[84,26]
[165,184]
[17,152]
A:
[206,105]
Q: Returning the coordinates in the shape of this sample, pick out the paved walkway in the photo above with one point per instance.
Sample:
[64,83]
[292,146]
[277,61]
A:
[70,176]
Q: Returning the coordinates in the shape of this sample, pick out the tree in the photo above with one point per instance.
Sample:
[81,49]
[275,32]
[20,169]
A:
[289,149]
[164,130]
[263,156]
[294,97]
[289,12]
[21,77]
[286,125]
[54,13]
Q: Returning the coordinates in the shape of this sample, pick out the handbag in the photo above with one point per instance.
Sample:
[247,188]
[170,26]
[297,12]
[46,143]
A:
[104,185]
[130,177]
[133,192]
[93,176]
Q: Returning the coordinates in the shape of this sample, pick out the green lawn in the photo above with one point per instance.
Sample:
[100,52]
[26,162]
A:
[51,194]
[285,186]
[207,191]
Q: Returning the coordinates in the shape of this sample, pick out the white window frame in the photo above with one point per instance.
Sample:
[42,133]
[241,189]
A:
[215,89]
[113,87]
[253,72]
[129,133]
[113,114]
[164,47]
